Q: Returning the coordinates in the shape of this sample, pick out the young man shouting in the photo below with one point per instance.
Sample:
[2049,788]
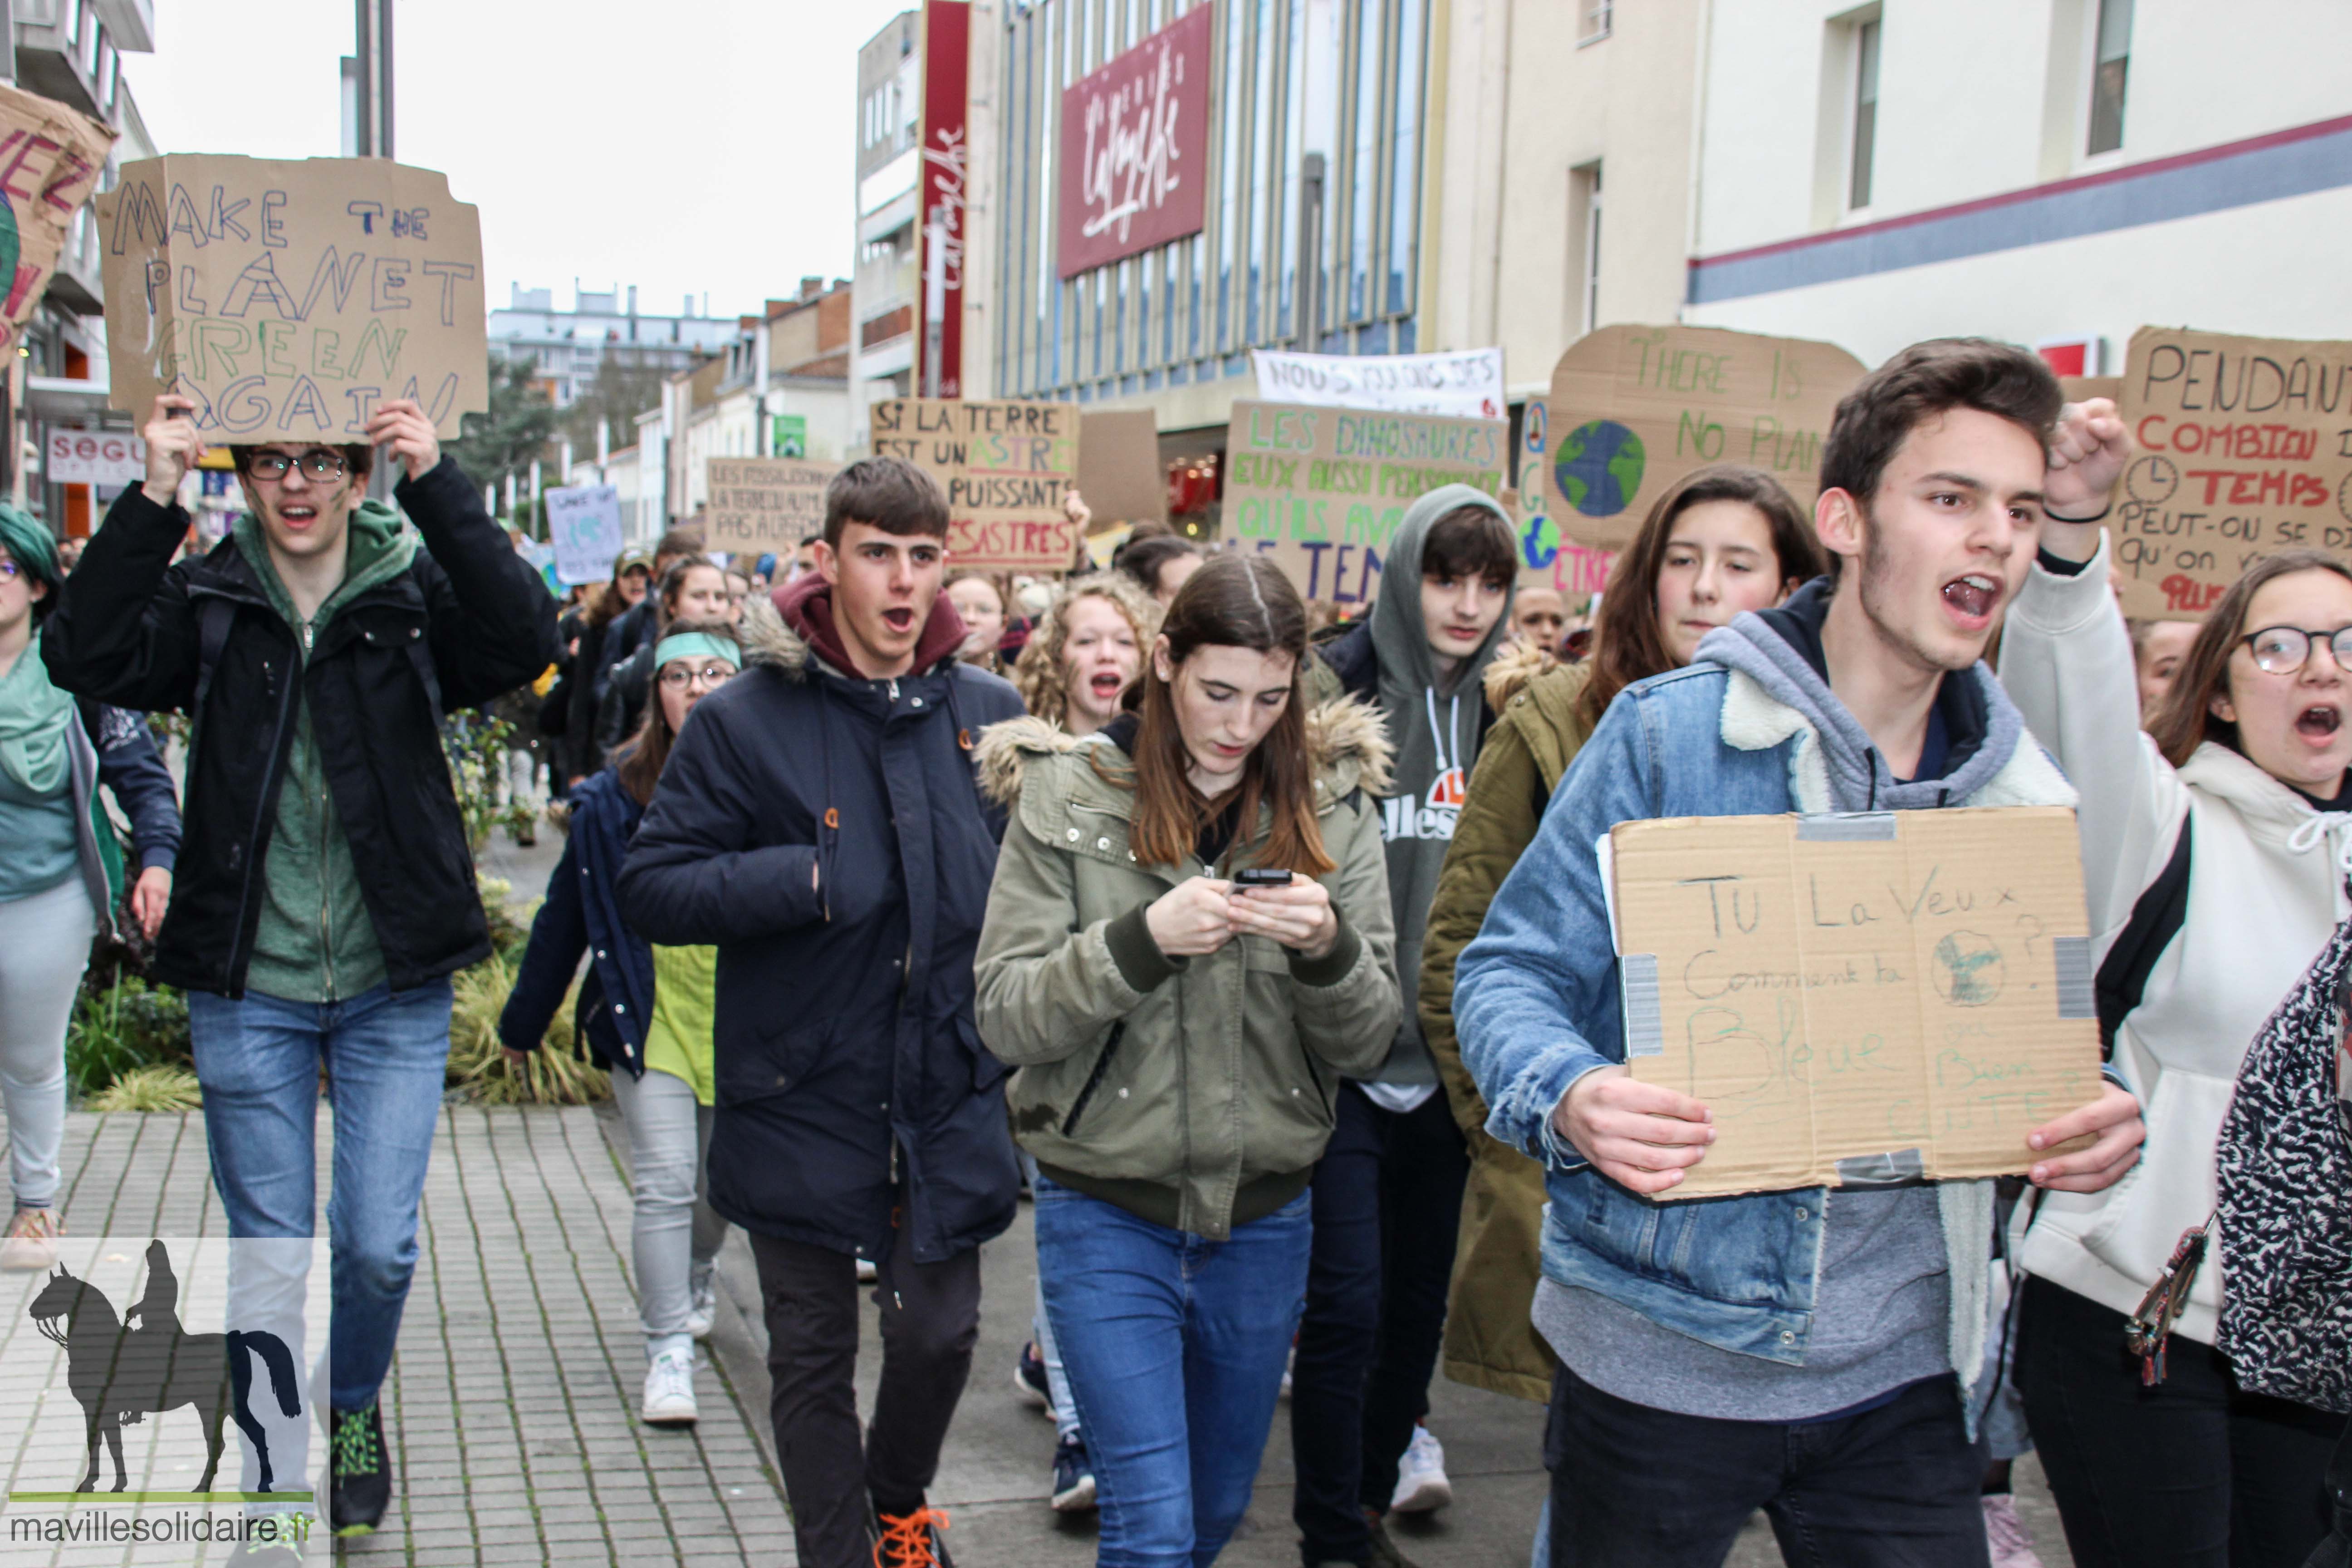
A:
[1388,1191]
[1793,1351]
[820,822]
[325,888]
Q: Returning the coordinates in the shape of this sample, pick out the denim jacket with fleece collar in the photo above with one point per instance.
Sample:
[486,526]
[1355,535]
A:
[1537,1006]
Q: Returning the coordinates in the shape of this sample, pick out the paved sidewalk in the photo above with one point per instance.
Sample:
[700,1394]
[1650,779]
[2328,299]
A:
[511,1408]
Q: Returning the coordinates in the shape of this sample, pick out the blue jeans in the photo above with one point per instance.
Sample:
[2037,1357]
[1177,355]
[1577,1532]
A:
[386,1054]
[1174,1347]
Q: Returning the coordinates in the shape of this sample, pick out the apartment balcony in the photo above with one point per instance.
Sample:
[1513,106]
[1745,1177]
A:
[72,49]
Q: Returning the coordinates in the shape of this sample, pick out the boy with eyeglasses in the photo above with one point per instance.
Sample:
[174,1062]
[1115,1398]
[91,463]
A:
[326,889]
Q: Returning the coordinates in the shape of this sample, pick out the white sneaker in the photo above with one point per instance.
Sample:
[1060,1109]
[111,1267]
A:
[705,1310]
[669,1390]
[1421,1486]
[2005,1536]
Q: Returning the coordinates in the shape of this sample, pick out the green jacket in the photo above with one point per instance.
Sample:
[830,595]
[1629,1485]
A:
[1490,1342]
[1197,1093]
[315,941]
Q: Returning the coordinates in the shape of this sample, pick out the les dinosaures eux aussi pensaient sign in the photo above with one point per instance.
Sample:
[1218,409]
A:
[286,299]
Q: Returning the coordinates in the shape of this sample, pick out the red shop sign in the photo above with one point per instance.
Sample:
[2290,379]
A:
[947,57]
[1135,148]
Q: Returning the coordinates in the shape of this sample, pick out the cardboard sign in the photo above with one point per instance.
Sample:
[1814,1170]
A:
[1858,998]
[93,457]
[1321,489]
[1466,386]
[1575,572]
[1121,479]
[766,503]
[583,524]
[1636,408]
[2241,447]
[288,298]
[50,159]
[1005,468]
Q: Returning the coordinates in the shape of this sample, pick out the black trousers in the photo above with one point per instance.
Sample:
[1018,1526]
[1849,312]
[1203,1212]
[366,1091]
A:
[1895,1487]
[1388,1206]
[931,1321]
[2194,1471]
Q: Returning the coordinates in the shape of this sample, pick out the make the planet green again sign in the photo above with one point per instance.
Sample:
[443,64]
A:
[1857,998]
[288,298]
[1633,409]
[1322,489]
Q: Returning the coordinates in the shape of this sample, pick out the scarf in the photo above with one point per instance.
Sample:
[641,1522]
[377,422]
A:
[34,717]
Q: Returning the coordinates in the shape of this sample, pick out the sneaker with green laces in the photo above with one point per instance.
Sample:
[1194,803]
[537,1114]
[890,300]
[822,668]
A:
[362,1472]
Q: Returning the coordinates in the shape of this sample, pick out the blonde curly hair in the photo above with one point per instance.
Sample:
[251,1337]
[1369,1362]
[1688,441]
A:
[1040,676]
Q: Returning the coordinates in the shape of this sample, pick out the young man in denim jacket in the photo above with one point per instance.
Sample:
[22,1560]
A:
[1796,1351]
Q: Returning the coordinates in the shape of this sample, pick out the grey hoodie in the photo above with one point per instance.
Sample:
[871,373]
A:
[1435,728]
[1779,650]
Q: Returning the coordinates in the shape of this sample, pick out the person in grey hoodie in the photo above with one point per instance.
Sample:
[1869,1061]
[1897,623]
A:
[1388,1192]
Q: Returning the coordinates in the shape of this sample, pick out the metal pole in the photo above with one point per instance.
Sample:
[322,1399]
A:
[365,142]
[383,79]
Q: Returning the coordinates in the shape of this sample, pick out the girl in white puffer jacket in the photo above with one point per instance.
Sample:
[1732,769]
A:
[2214,854]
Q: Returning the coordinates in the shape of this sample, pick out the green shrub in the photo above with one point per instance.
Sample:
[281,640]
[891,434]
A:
[159,1088]
[122,1028]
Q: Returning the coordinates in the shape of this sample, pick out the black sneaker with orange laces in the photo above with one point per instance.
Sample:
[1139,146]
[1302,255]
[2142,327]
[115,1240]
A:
[913,1540]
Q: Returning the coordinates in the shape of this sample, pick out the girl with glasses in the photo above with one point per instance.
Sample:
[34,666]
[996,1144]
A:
[645,1014]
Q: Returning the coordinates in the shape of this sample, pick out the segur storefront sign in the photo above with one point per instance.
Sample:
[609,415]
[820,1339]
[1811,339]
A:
[1135,148]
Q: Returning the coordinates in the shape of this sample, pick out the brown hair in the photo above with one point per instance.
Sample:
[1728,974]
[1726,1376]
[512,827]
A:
[678,541]
[1144,557]
[1628,643]
[672,584]
[887,493]
[640,762]
[1233,601]
[2185,720]
[1038,674]
[607,604]
[1471,541]
[1922,383]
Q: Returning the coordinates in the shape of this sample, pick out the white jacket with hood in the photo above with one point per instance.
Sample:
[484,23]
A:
[2264,891]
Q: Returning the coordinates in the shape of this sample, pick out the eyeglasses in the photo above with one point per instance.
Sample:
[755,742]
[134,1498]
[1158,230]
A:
[2284,650]
[678,677]
[10,570]
[318,464]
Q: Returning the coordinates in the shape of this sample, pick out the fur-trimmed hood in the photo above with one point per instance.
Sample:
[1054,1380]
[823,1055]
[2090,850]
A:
[767,642]
[1345,738]
[1516,664]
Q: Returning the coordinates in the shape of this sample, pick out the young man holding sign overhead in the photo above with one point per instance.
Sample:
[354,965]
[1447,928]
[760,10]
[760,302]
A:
[1790,1351]
[326,890]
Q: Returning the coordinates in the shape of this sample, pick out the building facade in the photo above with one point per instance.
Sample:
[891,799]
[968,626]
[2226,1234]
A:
[887,282]
[568,348]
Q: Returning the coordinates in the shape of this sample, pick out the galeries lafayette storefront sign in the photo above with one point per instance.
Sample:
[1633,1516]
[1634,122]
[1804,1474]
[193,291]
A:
[1135,148]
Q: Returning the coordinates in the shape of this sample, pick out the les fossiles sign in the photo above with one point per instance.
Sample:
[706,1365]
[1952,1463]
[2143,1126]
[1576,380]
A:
[1135,148]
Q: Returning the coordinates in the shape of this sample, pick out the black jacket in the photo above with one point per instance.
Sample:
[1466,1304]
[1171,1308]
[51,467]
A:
[582,913]
[623,707]
[850,1075]
[468,610]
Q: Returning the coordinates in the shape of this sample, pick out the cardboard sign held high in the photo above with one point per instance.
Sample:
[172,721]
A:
[288,298]
[1319,490]
[1633,409]
[1005,467]
[2241,447]
[766,503]
[50,159]
[1858,998]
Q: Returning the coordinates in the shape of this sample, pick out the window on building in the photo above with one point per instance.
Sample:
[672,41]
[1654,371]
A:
[1865,114]
[1584,246]
[1592,18]
[2108,72]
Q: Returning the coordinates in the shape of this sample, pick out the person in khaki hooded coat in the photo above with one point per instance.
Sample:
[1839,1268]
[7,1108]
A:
[1180,1037]
[1726,539]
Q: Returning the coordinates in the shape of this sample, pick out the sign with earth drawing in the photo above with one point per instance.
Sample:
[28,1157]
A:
[50,160]
[1634,408]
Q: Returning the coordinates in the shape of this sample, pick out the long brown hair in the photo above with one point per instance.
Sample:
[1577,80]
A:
[641,761]
[606,606]
[2185,721]
[1233,601]
[1628,643]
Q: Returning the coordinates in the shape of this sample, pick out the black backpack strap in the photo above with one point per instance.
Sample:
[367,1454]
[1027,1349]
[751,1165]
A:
[213,618]
[420,655]
[2156,920]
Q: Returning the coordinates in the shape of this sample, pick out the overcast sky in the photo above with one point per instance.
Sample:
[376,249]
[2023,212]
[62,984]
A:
[684,146]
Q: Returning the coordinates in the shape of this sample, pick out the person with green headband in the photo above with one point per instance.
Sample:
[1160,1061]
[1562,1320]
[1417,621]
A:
[61,871]
[647,1014]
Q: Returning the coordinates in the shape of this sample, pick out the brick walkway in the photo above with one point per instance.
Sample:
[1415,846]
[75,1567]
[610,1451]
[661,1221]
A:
[512,1410]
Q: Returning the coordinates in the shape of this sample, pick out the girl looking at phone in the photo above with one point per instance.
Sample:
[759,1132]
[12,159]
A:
[1180,1033]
